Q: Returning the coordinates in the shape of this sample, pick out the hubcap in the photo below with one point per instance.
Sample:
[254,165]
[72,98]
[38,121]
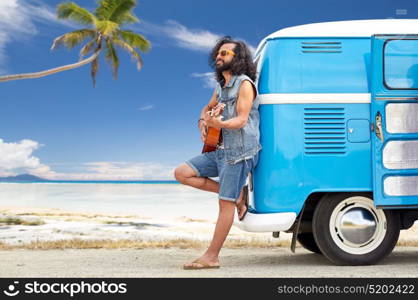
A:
[356,226]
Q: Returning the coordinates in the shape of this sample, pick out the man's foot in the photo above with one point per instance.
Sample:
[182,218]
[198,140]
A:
[242,205]
[202,263]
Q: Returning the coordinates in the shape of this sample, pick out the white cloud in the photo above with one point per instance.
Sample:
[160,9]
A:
[200,40]
[208,79]
[146,107]
[195,39]
[20,15]
[17,22]
[14,17]
[189,38]
[19,156]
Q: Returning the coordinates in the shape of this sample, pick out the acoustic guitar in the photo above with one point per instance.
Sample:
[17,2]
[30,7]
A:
[213,135]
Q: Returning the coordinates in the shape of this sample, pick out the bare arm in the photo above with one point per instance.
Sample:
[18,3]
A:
[246,96]
[212,103]
[202,123]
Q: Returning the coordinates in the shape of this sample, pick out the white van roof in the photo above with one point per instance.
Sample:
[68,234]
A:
[356,28]
[350,28]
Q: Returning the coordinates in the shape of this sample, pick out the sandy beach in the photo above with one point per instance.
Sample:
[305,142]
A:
[56,215]
[38,242]
[20,227]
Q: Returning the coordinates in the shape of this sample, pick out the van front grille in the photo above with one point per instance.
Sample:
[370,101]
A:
[321,47]
[324,131]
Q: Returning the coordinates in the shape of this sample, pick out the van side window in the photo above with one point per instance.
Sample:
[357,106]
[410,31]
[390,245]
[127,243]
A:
[401,64]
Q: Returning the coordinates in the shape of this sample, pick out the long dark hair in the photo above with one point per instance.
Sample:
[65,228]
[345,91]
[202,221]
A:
[242,62]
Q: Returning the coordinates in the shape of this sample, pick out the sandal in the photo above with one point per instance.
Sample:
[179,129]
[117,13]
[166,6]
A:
[203,265]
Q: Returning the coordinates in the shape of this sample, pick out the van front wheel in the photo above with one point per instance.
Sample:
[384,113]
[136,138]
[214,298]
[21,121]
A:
[349,230]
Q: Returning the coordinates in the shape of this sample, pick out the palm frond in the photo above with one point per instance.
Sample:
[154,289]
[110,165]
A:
[118,11]
[73,12]
[73,38]
[112,57]
[87,48]
[128,18]
[135,40]
[107,28]
[94,70]
[125,46]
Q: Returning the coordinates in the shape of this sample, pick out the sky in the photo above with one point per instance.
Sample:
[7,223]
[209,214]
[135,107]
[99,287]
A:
[144,124]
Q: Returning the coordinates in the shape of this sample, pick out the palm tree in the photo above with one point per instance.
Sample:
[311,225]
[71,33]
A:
[103,33]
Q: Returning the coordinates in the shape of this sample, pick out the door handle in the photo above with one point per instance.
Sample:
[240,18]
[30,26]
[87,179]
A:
[378,129]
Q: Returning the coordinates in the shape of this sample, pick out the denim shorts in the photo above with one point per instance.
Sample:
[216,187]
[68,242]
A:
[232,177]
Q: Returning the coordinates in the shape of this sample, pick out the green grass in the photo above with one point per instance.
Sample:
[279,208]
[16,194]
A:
[139,244]
[19,221]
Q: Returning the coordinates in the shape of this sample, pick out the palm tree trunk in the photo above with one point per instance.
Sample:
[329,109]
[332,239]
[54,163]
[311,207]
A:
[50,71]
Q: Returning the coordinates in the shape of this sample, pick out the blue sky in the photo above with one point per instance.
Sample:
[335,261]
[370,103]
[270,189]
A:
[143,124]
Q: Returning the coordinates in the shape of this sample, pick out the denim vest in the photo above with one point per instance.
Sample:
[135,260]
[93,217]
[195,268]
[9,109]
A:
[244,143]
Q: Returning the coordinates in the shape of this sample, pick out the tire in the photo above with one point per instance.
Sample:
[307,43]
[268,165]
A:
[349,230]
[307,241]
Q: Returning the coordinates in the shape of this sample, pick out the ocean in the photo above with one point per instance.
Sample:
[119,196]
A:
[151,199]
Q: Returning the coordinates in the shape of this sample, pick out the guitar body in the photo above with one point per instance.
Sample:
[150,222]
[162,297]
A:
[212,139]
[213,134]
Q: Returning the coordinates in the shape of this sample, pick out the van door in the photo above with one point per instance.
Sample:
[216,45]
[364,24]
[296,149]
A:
[394,117]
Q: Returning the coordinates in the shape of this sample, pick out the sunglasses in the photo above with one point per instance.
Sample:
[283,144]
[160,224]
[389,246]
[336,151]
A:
[225,52]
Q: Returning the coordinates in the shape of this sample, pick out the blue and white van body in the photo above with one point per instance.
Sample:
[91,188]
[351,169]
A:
[339,131]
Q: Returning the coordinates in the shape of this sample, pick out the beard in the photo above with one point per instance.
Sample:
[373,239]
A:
[223,67]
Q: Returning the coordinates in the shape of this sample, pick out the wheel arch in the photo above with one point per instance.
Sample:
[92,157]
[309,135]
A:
[312,202]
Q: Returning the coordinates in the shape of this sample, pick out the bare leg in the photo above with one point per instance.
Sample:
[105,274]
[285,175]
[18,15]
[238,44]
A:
[222,228]
[223,225]
[186,175]
[241,208]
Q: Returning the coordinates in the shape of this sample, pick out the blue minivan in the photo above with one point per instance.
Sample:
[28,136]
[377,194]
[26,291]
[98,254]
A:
[339,131]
